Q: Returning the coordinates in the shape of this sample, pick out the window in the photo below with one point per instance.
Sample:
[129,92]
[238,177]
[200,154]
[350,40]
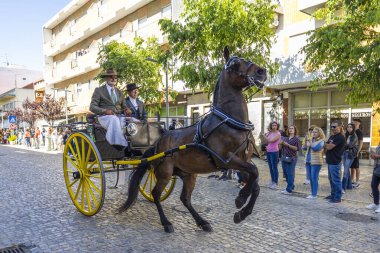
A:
[318,117]
[301,121]
[338,97]
[319,99]
[301,100]
[166,12]
[142,22]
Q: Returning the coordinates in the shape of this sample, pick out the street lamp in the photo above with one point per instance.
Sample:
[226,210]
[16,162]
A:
[166,87]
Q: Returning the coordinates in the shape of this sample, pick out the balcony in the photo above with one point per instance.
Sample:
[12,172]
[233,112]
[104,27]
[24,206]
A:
[310,6]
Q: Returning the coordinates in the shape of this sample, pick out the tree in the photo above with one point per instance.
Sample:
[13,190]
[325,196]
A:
[24,115]
[130,62]
[208,26]
[346,50]
[49,109]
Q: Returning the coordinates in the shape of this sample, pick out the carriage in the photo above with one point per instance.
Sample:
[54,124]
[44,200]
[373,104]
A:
[87,156]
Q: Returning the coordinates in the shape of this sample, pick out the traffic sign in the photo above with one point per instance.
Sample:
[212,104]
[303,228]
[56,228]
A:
[12,119]
[12,126]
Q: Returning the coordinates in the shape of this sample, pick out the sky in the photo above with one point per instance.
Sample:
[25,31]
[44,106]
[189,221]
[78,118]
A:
[21,24]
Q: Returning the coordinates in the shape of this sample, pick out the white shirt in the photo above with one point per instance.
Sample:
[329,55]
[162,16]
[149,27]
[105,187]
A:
[134,102]
[109,88]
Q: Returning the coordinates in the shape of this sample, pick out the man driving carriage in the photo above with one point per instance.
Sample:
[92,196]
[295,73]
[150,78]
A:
[109,101]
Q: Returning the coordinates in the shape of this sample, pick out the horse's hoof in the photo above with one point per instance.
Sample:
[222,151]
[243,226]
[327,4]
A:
[169,228]
[237,217]
[206,227]
[239,202]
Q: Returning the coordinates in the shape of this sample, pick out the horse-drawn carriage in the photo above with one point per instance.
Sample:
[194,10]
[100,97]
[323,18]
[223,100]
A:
[88,156]
[222,139]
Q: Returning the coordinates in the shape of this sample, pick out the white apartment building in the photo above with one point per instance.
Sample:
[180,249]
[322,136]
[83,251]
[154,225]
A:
[72,39]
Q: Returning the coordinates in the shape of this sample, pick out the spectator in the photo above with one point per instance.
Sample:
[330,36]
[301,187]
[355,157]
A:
[49,139]
[273,139]
[375,180]
[43,134]
[284,132]
[37,136]
[355,171]
[306,148]
[54,138]
[27,138]
[350,153]
[290,146]
[173,124]
[315,159]
[335,148]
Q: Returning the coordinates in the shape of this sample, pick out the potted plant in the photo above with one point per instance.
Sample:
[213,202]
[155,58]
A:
[12,139]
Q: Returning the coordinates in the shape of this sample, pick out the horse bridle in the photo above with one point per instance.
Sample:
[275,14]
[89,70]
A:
[250,79]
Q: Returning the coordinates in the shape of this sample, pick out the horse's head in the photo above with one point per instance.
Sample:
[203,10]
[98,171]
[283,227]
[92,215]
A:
[244,73]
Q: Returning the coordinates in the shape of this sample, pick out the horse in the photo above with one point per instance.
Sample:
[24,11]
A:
[220,140]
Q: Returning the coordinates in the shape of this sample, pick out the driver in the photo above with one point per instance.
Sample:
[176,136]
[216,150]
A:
[109,101]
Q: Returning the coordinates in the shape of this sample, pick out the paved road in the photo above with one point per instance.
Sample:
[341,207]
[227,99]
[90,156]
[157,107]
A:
[35,209]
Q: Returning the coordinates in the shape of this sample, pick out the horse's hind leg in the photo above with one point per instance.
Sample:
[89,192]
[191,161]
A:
[187,190]
[163,177]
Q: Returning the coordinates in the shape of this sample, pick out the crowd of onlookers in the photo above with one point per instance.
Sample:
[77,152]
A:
[51,139]
[340,149]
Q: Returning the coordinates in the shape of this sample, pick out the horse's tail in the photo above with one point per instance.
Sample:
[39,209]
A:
[138,174]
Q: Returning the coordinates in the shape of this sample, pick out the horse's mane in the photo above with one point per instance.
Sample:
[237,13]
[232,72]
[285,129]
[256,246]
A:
[216,91]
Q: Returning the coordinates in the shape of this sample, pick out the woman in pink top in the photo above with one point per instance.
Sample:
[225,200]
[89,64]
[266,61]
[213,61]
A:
[273,137]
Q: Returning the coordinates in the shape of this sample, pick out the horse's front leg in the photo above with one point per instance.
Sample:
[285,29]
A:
[187,190]
[251,188]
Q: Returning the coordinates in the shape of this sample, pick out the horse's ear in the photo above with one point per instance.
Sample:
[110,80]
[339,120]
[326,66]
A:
[226,53]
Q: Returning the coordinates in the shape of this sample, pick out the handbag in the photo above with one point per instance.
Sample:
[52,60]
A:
[376,170]
[287,159]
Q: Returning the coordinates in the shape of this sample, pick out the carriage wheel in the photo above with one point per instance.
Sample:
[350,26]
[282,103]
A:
[84,174]
[149,181]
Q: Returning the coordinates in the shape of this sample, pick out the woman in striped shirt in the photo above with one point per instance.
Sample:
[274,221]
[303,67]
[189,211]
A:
[315,158]
[289,148]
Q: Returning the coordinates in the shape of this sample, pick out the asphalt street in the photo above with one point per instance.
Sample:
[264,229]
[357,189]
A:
[35,210]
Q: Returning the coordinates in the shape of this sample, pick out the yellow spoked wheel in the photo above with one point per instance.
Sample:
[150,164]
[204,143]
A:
[84,174]
[149,181]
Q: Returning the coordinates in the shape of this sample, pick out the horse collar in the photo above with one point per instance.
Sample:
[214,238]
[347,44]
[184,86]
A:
[231,121]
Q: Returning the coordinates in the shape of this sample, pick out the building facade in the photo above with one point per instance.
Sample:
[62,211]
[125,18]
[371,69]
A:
[288,99]
[73,37]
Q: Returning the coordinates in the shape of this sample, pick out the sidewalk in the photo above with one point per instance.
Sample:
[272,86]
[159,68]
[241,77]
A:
[42,149]
[360,195]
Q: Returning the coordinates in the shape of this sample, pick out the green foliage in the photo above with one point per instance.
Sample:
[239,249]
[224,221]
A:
[130,62]
[346,49]
[208,26]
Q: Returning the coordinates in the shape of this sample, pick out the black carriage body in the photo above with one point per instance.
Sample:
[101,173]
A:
[147,134]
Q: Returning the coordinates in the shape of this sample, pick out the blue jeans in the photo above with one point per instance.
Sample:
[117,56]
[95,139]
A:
[308,169]
[346,180]
[289,170]
[314,176]
[272,158]
[335,183]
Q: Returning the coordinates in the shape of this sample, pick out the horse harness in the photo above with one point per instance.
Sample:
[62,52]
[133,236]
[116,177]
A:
[199,138]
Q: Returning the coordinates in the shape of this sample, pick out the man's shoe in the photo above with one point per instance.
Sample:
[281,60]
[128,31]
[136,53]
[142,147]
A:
[372,206]
[307,182]
[311,197]
[328,197]
[335,201]
[377,210]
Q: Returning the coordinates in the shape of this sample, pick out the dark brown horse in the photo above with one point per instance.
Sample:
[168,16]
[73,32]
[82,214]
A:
[221,140]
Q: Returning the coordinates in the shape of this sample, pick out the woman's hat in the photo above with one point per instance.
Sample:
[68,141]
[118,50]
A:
[131,86]
[109,72]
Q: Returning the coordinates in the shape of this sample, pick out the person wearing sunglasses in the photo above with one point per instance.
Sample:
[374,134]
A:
[335,147]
